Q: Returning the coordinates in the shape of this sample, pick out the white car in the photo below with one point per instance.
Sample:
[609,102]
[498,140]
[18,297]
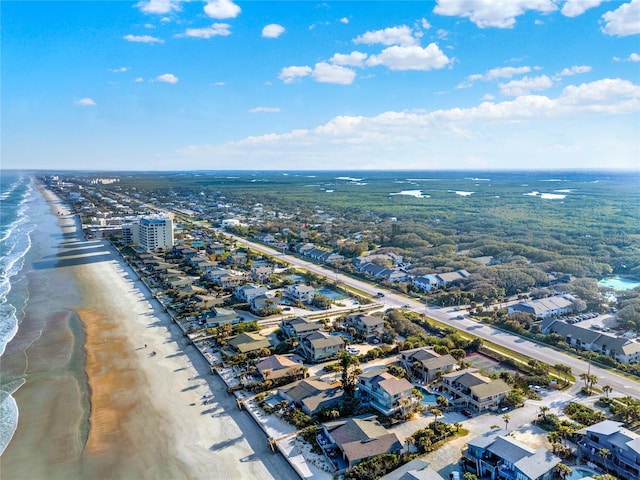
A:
[353,351]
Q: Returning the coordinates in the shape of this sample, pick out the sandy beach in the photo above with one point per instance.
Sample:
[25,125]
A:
[146,412]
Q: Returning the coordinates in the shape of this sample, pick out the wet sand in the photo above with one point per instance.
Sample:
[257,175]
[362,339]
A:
[126,414]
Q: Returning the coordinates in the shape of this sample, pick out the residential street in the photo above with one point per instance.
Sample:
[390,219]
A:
[621,385]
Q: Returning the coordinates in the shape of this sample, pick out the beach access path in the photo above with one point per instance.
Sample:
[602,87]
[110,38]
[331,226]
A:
[155,406]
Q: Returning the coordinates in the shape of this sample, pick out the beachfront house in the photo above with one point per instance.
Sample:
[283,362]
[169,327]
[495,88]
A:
[384,392]
[612,447]
[355,440]
[312,395]
[217,316]
[424,363]
[318,346]
[416,469]
[248,342]
[471,389]
[496,455]
[275,367]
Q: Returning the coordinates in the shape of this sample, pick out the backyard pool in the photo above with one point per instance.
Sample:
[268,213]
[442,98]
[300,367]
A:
[427,397]
[579,473]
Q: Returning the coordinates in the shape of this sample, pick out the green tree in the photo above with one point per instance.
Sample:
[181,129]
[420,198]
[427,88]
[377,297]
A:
[506,418]
[350,371]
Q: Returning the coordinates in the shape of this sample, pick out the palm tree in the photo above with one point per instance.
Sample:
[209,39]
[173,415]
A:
[457,425]
[606,389]
[436,413]
[543,412]
[350,371]
[555,440]
[563,470]
[506,417]
[589,381]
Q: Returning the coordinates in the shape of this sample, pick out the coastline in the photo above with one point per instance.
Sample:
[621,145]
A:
[146,417]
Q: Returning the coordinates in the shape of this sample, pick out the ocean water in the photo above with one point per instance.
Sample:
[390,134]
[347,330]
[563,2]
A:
[17,197]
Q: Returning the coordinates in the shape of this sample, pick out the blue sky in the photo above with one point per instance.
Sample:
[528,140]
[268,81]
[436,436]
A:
[447,84]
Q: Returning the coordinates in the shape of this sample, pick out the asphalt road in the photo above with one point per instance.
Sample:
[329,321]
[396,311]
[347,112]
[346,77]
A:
[621,385]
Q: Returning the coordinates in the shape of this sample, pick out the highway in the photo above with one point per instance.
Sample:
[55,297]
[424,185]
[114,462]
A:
[621,385]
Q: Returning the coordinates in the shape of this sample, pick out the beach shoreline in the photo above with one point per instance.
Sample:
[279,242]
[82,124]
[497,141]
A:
[147,417]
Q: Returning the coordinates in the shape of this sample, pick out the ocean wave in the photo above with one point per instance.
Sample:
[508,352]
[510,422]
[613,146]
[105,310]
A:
[15,244]
[8,419]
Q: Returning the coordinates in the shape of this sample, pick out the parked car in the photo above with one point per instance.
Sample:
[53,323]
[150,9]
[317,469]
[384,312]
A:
[466,413]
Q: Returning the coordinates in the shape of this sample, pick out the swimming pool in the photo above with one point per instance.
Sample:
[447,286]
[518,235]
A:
[427,397]
[579,473]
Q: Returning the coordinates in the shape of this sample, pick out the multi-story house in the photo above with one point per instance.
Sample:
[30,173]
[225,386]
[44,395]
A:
[312,395]
[261,273]
[300,327]
[366,325]
[612,447]
[247,293]
[319,346]
[623,349]
[546,307]
[356,439]
[301,292]
[471,389]
[424,363]
[439,280]
[497,456]
[386,393]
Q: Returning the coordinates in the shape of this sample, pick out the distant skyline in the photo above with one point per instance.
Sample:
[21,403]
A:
[315,85]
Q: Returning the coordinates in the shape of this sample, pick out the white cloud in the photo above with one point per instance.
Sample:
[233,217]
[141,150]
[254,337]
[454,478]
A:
[118,70]
[218,84]
[602,95]
[142,39]
[491,13]
[424,23]
[576,69]
[353,59]
[525,127]
[139,80]
[273,30]
[623,21]
[344,20]
[634,57]
[327,73]
[410,58]
[494,74]
[524,86]
[86,102]
[159,6]
[402,35]
[215,30]
[167,78]
[289,74]
[265,109]
[222,9]
[574,8]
